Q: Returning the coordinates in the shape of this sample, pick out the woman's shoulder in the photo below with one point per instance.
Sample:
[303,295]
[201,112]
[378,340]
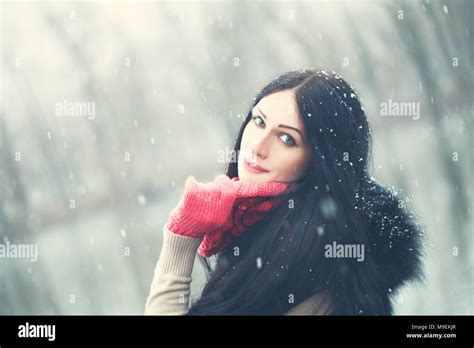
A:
[317,304]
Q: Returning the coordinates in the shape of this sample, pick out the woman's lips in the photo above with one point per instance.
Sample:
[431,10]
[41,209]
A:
[254,168]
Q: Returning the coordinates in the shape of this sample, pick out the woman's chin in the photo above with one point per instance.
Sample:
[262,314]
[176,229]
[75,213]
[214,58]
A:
[254,177]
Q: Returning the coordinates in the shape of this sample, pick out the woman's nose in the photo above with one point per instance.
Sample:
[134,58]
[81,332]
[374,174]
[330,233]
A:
[260,147]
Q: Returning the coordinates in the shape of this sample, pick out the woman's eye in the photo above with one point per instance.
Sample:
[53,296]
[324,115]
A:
[258,118]
[289,140]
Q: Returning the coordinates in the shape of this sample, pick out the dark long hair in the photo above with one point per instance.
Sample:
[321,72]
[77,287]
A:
[280,261]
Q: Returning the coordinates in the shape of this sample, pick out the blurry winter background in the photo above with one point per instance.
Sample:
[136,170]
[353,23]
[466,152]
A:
[106,108]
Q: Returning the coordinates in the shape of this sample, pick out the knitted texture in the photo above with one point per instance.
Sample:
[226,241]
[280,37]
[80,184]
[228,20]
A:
[205,207]
[246,214]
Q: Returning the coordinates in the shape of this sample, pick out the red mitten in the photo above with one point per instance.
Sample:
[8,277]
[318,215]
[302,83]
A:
[247,211]
[206,207]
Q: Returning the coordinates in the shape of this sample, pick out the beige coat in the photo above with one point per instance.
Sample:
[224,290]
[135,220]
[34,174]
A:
[170,289]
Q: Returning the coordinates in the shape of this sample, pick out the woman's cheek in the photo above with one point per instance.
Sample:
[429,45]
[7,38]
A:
[302,168]
[247,134]
[249,137]
[295,168]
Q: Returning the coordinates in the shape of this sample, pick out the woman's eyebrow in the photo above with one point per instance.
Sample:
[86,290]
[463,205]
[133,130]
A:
[282,125]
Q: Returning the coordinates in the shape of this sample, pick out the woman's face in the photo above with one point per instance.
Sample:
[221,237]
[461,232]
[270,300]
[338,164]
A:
[275,139]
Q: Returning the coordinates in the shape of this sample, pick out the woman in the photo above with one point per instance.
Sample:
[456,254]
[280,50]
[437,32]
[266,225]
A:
[286,220]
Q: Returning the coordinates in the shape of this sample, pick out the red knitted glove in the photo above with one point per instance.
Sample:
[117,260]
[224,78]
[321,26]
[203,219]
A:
[206,207]
[216,241]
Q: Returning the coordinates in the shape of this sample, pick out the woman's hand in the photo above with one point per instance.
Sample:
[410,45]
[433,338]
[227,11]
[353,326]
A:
[246,214]
[206,207]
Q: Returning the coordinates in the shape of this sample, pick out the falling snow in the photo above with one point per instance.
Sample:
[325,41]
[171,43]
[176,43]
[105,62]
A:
[85,187]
